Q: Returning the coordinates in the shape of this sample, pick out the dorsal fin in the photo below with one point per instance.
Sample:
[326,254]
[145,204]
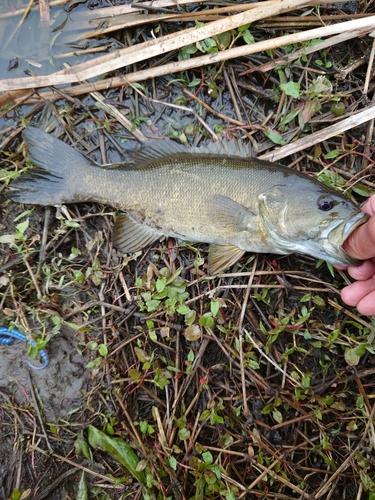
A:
[233,148]
[154,148]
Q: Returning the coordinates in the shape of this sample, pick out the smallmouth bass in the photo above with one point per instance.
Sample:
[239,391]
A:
[215,194]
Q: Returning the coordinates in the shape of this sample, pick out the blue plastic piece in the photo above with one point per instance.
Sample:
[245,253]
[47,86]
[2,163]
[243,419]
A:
[8,337]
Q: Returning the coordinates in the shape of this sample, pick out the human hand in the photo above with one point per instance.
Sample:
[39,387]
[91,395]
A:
[361,245]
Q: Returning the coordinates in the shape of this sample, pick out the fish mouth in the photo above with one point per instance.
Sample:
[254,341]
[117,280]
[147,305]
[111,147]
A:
[336,236]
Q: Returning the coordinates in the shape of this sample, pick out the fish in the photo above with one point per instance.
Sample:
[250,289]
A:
[217,194]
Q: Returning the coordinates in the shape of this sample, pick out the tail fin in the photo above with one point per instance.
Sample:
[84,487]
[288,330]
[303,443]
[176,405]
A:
[59,172]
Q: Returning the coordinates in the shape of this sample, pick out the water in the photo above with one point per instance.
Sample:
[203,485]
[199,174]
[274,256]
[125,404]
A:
[33,48]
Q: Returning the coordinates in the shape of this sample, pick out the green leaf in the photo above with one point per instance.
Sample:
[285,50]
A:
[351,357]
[82,492]
[160,284]
[274,136]
[243,28]
[7,238]
[195,82]
[162,377]
[215,306]
[152,305]
[81,447]
[118,449]
[289,117]
[139,86]
[206,320]
[248,37]
[103,350]
[267,409]
[184,434]
[291,88]
[22,226]
[183,309]
[208,45]
[15,495]
[320,86]
[172,462]
[306,297]
[187,51]
[362,190]
[135,375]
[332,154]
[207,457]
[190,318]
[277,416]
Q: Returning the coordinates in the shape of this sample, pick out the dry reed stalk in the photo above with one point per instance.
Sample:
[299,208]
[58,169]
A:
[349,29]
[306,142]
[121,19]
[131,20]
[147,50]
[106,12]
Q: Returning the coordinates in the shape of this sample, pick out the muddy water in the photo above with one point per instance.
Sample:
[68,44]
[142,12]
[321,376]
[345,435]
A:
[58,386]
[37,48]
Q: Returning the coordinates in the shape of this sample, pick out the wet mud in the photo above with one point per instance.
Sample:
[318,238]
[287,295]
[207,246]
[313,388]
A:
[58,387]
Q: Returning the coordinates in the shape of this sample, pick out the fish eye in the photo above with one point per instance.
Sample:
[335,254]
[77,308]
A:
[325,203]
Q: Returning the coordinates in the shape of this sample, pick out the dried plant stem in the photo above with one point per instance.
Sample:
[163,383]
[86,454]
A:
[329,42]
[149,49]
[355,28]
[317,137]
[369,68]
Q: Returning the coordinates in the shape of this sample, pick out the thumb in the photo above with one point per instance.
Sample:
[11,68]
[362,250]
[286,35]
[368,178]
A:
[361,243]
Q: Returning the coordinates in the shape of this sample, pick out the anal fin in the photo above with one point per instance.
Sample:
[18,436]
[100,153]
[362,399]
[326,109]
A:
[222,256]
[130,236]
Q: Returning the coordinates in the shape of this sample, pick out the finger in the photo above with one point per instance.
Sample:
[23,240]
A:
[358,291]
[361,243]
[364,271]
[366,305]
[339,266]
[369,206]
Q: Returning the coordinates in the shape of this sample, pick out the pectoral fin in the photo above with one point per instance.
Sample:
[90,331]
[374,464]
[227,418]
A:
[222,256]
[130,236]
[229,214]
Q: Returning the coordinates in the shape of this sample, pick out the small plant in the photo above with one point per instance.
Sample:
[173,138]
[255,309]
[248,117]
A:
[163,290]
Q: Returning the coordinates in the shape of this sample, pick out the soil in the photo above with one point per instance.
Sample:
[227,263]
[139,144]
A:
[58,387]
